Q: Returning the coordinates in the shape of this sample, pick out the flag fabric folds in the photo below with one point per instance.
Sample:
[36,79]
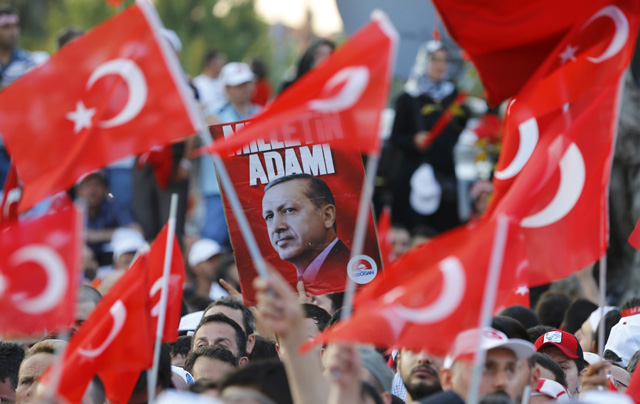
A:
[339,102]
[114,92]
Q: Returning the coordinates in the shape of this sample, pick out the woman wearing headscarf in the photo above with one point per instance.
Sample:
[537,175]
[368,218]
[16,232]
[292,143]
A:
[425,190]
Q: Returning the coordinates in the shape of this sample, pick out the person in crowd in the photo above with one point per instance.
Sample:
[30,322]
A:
[179,350]
[35,363]
[500,368]
[577,313]
[586,334]
[525,316]
[237,312]
[624,340]
[420,373]
[400,240]
[263,90]
[319,50]
[480,194]
[210,362]
[204,257]
[260,382]
[11,355]
[210,87]
[220,330]
[104,214]
[565,350]
[425,190]
[87,300]
[551,308]
[238,81]
[549,369]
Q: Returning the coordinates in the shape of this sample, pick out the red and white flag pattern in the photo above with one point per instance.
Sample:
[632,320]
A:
[114,92]
[39,269]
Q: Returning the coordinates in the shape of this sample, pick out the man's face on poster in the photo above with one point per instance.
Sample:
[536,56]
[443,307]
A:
[298,229]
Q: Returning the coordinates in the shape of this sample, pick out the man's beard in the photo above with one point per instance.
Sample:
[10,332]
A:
[422,389]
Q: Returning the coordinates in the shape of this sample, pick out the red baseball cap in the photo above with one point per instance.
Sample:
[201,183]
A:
[562,340]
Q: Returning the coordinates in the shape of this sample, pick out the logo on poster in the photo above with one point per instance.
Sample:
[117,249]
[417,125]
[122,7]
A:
[362,269]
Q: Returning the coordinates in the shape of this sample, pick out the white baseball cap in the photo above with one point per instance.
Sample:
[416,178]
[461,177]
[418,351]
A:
[468,342]
[624,339]
[190,321]
[125,240]
[236,73]
[202,250]
[596,316]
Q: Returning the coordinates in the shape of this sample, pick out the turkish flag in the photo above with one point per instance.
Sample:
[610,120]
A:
[429,309]
[114,92]
[115,337]
[155,261]
[120,384]
[39,269]
[339,102]
[115,3]
[554,171]
[509,40]
[384,237]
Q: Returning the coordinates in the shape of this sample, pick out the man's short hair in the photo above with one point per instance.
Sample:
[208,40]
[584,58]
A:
[577,313]
[212,352]
[525,316]
[182,346]
[551,307]
[248,322]
[202,385]
[318,191]
[546,362]
[537,331]
[267,377]
[241,337]
[317,314]
[263,349]
[11,355]
[49,346]
[68,34]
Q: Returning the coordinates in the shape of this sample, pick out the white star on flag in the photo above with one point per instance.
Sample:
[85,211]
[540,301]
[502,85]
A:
[81,117]
[522,290]
[569,53]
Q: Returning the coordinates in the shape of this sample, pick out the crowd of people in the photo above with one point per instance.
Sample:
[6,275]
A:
[239,354]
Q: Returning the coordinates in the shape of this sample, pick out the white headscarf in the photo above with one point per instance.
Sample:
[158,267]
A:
[419,83]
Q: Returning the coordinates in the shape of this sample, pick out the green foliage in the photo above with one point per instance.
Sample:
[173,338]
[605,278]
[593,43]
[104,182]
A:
[231,26]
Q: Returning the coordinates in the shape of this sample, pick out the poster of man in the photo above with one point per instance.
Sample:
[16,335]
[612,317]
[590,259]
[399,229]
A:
[301,201]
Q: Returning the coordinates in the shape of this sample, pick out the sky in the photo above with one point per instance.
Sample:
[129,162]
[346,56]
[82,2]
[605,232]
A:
[326,19]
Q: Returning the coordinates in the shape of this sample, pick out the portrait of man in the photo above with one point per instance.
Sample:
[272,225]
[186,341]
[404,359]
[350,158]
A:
[300,213]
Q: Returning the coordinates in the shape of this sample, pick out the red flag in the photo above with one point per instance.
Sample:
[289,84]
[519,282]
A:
[429,310]
[634,238]
[633,390]
[176,282]
[554,171]
[11,195]
[114,92]
[339,102]
[509,40]
[39,269]
[115,337]
[384,237]
[115,3]
[120,384]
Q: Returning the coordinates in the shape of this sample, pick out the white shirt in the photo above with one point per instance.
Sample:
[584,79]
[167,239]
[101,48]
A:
[211,91]
[311,271]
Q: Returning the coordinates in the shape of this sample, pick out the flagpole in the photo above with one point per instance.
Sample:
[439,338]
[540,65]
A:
[364,210]
[152,376]
[80,207]
[488,302]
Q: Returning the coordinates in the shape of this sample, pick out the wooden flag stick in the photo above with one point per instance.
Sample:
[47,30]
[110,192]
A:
[360,232]
[488,302]
[152,376]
